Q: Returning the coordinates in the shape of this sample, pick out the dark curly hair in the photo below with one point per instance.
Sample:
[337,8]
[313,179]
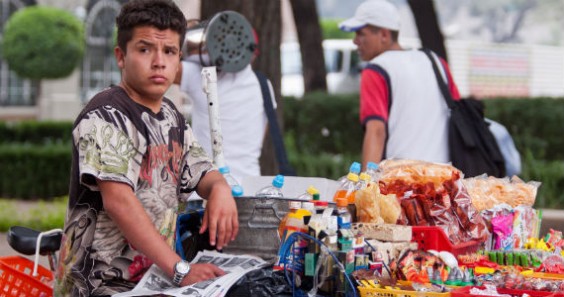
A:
[161,14]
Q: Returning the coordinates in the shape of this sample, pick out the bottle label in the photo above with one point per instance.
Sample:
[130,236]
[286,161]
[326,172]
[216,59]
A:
[344,222]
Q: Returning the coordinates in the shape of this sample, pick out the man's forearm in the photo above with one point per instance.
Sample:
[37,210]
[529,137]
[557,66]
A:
[211,179]
[132,220]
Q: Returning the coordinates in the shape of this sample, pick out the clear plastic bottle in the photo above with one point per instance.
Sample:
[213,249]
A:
[347,188]
[274,190]
[231,181]
[354,168]
[344,218]
[372,170]
[364,180]
[237,191]
[308,195]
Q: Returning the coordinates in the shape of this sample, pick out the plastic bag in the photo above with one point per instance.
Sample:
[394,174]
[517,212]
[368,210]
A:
[261,282]
[433,195]
[487,192]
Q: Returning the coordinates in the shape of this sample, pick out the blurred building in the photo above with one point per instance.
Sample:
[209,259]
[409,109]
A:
[62,99]
[479,68]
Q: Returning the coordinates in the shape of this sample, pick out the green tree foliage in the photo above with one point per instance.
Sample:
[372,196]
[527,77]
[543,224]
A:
[43,42]
[330,30]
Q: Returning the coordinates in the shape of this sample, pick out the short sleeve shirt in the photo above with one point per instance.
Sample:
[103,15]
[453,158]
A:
[116,139]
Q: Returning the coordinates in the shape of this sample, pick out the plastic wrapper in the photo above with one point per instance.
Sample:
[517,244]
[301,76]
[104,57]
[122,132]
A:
[524,225]
[487,192]
[502,227]
[432,194]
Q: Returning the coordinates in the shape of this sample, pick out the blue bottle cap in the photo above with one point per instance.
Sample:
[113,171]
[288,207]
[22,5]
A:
[372,165]
[355,167]
[278,181]
[237,191]
[224,170]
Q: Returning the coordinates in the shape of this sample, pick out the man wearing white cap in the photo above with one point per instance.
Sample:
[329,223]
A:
[402,110]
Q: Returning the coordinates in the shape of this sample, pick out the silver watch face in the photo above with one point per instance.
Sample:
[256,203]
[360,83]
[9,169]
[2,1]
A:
[182,267]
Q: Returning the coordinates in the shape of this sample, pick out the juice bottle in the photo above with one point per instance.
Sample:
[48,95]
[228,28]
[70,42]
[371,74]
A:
[347,188]
[294,206]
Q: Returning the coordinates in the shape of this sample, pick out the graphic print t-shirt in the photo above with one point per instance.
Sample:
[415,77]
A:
[116,139]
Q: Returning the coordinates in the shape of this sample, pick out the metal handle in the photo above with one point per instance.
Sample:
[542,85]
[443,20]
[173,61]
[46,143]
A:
[263,205]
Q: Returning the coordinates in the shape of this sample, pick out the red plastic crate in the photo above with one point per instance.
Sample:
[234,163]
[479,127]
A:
[435,238]
[16,278]
[465,292]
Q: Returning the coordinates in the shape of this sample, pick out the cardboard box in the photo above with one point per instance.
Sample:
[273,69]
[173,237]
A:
[384,232]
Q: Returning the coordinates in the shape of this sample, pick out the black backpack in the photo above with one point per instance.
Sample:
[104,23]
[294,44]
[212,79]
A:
[473,148]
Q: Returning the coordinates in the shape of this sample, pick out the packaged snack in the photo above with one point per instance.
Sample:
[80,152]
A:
[502,227]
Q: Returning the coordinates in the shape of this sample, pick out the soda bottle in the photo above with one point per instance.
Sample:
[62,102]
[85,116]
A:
[231,181]
[308,195]
[274,190]
[354,168]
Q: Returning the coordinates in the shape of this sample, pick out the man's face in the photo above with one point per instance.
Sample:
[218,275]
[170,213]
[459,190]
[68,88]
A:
[370,42]
[150,64]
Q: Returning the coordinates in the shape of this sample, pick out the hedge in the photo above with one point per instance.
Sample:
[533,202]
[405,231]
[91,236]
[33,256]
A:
[34,132]
[34,171]
[322,135]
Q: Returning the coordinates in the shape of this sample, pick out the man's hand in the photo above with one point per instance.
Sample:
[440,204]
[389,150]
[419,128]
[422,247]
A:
[201,272]
[220,216]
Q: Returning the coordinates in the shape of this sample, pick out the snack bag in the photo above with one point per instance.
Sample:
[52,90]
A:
[367,207]
[524,223]
[503,228]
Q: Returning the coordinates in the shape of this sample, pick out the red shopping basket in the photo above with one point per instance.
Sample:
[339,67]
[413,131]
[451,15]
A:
[16,278]
[434,238]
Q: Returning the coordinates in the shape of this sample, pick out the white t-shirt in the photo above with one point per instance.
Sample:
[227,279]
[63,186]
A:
[243,120]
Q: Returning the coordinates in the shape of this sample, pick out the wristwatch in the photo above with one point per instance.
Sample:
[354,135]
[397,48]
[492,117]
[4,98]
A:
[181,269]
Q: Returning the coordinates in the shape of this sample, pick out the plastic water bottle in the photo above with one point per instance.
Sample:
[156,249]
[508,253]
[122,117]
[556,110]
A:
[236,189]
[308,195]
[372,170]
[354,168]
[364,180]
[274,190]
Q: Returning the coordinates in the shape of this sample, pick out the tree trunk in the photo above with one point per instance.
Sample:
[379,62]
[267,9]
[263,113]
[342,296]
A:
[310,39]
[428,26]
[265,17]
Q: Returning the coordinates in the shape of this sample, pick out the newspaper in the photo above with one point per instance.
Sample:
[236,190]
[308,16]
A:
[155,282]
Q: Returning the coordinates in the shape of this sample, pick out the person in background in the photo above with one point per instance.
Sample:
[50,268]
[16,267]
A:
[402,110]
[242,115]
[133,158]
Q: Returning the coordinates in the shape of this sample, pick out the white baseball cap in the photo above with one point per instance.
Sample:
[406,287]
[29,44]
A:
[379,13]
